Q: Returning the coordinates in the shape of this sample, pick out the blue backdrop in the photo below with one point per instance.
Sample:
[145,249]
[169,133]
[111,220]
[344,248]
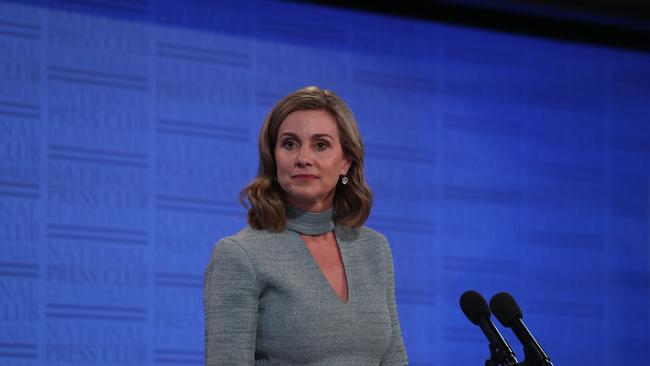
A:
[498,162]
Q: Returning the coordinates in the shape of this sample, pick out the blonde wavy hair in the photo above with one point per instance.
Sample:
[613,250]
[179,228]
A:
[264,197]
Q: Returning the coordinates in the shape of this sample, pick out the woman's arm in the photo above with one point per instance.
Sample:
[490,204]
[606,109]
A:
[396,352]
[230,300]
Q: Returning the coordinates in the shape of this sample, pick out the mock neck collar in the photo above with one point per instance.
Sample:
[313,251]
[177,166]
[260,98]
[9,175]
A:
[309,223]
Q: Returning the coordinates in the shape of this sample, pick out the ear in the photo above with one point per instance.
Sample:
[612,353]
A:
[346,166]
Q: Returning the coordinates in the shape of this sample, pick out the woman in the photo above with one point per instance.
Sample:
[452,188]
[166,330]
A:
[305,283]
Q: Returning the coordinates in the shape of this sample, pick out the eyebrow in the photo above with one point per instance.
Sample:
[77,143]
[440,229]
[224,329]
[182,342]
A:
[313,137]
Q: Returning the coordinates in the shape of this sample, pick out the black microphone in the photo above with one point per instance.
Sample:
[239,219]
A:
[505,308]
[477,311]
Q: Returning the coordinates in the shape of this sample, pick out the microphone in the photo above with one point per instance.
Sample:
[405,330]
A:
[505,308]
[476,310]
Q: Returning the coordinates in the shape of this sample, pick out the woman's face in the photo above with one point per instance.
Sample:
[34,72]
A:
[309,159]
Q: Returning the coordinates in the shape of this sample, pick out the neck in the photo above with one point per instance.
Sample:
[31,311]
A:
[309,223]
[319,204]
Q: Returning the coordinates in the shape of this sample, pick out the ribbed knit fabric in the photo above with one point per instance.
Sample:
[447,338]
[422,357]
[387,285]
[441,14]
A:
[310,223]
[267,302]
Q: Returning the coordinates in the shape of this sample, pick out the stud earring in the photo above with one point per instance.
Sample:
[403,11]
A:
[344,180]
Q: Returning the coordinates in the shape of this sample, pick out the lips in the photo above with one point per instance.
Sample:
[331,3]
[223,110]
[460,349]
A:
[304,176]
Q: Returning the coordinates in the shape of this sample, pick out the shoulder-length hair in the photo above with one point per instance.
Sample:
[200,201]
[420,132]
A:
[264,197]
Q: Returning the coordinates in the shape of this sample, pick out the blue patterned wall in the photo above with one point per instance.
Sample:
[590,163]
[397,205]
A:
[499,162]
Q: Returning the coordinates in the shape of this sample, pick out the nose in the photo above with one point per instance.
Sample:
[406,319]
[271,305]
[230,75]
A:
[303,158]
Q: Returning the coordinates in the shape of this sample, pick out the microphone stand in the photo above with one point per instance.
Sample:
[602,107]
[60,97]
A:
[533,353]
[499,358]
[533,358]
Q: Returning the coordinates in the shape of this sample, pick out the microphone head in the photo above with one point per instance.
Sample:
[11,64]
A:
[474,306]
[505,308]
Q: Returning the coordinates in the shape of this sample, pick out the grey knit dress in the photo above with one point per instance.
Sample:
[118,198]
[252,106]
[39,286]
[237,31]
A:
[268,303]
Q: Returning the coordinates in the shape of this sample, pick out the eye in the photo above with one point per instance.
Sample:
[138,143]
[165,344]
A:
[288,144]
[321,145]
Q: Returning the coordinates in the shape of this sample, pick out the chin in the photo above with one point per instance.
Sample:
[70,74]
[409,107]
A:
[306,198]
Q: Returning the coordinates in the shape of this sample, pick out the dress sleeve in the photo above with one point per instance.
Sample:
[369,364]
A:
[395,355]
[230,299]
